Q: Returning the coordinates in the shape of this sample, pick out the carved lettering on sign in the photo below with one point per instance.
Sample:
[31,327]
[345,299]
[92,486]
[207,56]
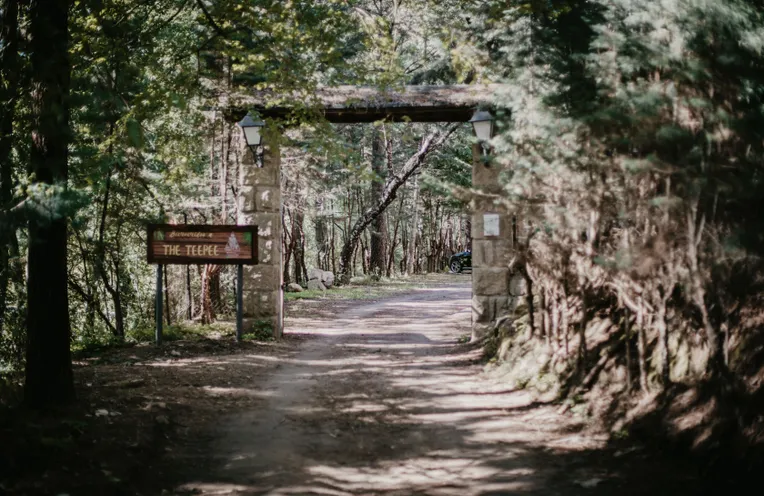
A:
[195,244]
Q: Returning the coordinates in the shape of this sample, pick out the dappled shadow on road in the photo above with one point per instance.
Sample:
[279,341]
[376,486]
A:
[387,402]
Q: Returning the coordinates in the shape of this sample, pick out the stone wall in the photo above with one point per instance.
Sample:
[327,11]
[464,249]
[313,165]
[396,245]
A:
[491,253]
[260,204]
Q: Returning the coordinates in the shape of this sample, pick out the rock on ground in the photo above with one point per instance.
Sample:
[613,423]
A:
[315,284]
[294,288]
[324,276]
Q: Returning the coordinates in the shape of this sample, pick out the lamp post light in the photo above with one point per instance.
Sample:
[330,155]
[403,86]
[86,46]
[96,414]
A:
[252,130]
[483,126]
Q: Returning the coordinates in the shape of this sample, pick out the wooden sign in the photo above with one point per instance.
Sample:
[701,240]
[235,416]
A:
[193,244]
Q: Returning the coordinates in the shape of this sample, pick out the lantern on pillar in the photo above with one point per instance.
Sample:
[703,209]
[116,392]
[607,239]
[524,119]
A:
[252,131]
[483,126]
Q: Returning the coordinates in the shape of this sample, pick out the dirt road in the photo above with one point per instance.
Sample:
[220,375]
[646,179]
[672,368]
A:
[384,400]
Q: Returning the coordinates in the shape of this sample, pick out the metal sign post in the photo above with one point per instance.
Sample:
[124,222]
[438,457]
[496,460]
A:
[159,309]
[239,301]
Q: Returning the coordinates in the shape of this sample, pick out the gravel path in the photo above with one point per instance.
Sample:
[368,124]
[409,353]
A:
[385,401]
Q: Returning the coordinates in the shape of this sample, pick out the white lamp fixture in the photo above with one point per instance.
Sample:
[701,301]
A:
[252,130]
[482,124]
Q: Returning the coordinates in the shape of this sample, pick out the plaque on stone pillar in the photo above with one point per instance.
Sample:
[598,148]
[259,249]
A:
[491,224]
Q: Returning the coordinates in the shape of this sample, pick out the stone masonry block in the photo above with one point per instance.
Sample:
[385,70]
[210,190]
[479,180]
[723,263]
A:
[262,278]
[267,199]
[261,176]
[269,251]
[271,157]
[491,253]
[268,223]
[486,178]
[490,281]
[260,304]
[260,199]
[486,309]
[247,199]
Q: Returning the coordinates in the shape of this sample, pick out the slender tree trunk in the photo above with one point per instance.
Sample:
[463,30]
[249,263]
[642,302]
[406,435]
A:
[411,255]
[215,292]
[529,302]
[49,378]
[394,242]
[224,171]
[208,313]
[100,262]
[298,242]
[544,304]
[627,339]
[715,366]
[9,75]
[322,245]
[555,311]
[332,242]
[189,294]
[287,244]
[378,248]
[660,324]
[168,311]
[582,351]
[642,349]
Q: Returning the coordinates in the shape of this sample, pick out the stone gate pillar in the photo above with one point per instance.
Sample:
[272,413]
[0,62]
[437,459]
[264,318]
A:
[491,249]
[260,204]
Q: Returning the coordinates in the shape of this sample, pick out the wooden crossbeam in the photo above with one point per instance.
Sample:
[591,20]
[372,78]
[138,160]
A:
[351,104]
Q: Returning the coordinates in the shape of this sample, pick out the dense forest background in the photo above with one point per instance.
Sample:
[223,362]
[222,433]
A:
[149,141]
[631,133]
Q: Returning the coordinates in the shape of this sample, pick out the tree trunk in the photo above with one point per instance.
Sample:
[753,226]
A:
[411,255]
[189,294]
[394,242]
[100,263]
[582,351]
[298,242]
[49,379]
[216,295]
[627,340]
[544,310]
[332,242]
[378,248]
[167,311]
[715,366]
[322,245]
[663,347]
[9,74]
[208,314]
[287,245]
[529,301]
[642,349]
[432,142]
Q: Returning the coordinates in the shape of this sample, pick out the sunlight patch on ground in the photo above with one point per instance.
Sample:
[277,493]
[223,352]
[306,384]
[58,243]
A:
[450,474]
[222,391]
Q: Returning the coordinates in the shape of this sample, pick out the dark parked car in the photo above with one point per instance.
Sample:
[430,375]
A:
[460,261]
